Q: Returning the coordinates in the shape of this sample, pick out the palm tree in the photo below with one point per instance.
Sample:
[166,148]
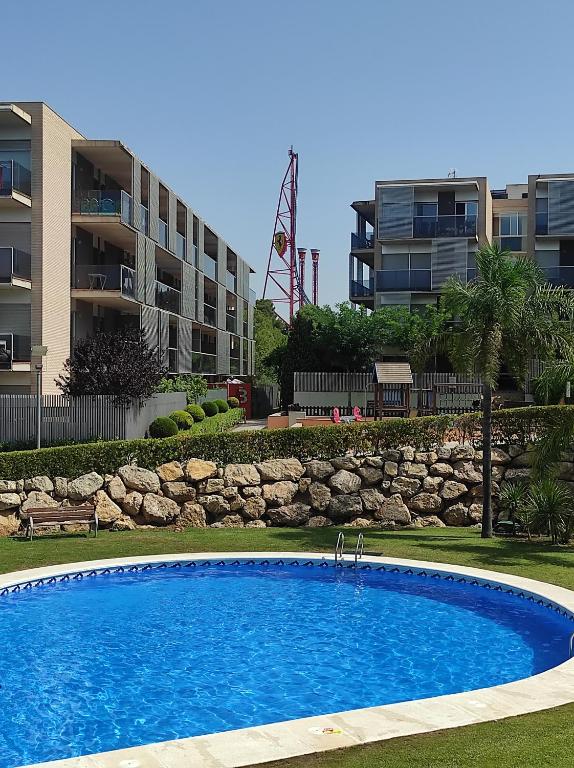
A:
[506,315]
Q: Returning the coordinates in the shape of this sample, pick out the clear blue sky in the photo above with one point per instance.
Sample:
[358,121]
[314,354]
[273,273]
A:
[206,93]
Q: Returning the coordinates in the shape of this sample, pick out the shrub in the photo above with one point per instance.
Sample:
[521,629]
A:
[222,406]
[163,426]
[183,419]
[233,402]
[196,412]
[550,503]
[210,407]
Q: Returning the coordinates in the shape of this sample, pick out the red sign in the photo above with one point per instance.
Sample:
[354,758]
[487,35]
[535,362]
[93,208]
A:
[242,392]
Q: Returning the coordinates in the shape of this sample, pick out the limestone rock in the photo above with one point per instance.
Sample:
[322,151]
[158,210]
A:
[179,491]
[524,459]
[123,524]
[410,469]
[432,484]
[425,457]
[253,508]
[318,521]
[320,496]
[372,499]
[443,452]
[452,490]
[241,475]
[9,523]
[407,453]
[116,490]
[441,469]
[85,486]
[107,510]
[429,521]
[10,501]
[159,510]
[371,475]
[349,463]
[139,479]
[275,470]
[406,486]
[344,481]
[475,513]
[236,504]
[462,452]
[255,524]
[19,486]
[251,490]
[214,504]
[455,515]
[466,472]
[192,516]
[39,483]
[391,468]
[229,521]
[518,473]
[360,522]
[38,499]
[425,503]
[8,485]
[374,461]
[304,484]
[170,472]
[393,510]
[280,493]
[132,503]
[61,487]
[289,515]
[318,470]
[230,493]
[344,507]
[498,472]
[392,455]
[198,469]
[499,456]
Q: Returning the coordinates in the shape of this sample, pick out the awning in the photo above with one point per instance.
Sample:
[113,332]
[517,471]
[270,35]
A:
[392,373]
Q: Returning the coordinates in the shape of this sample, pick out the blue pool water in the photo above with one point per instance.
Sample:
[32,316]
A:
[125,659]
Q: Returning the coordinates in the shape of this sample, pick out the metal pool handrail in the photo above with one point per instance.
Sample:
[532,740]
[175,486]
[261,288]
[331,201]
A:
[339,547]
[359,548]
[572,645]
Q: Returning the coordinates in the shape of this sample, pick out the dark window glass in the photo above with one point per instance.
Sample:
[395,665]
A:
[426,209]
[511,243]
[541,205]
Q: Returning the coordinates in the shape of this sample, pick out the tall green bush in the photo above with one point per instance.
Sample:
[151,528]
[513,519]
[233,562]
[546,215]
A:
[210,407]
[222,405]
[196,412]
[183,419]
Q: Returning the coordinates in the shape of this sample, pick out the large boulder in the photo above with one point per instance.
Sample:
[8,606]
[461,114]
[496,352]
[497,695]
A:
[407,453]
[139,479]
[344,507]
[475,513]
[213,485]
[349,463]
[344,481]
[462,452]
[360,522]
[406,486]
[425,457]
[179,491]
[516,473]
[214,504]
[9,523]
[393,510]
[159,510]
[256,524]
[372,499]
[318,470]
[85,486]
[319,495]
[280,493]
[170,472]
[425,503]
[392,455]
[391,468]
[38,499]
[132,503]
[275,470]
[9,501]
[374,461]
[452,490]
[123,524]
[39,483]
[116,489]
[106,509]
[442,469]
[371,475]
[318,521]
[198,469]
[432,484]
[253,508]
[429,521]
[229,521]
[289,515]
[251,490]
[455,515]
[192,516]
[412,469]
[467,472]
[241,475]
[8,485]
[499,456]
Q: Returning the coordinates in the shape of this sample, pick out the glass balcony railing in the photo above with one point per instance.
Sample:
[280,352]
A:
[541,223]
[231,281]
[162,232]
[209,267]
[563,276]
[194,255]
[202,363]
[14,178]
[173,359]
[104,202]
[180,245]
[144,220]
[403,280]
[234,366]
[209,314]
[231,322]
[14,348]
[444,226]
[362,287]
[14,264]
[107,277]
[167,298]
[252,296]
[362,242]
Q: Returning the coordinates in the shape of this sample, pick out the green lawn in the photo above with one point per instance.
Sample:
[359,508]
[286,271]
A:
[543,739]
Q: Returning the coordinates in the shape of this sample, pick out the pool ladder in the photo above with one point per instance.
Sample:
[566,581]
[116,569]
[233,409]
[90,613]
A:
[340,548]
[572,645]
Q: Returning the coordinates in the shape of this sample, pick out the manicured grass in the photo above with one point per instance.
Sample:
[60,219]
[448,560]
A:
[530,741]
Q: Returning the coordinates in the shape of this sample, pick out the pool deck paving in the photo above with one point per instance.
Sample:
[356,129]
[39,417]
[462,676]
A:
[277,741]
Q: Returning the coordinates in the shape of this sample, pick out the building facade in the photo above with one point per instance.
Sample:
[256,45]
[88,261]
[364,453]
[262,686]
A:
[416,233]
[91,239]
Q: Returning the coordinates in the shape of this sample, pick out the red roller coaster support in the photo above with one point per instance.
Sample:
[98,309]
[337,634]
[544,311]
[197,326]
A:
[302,252]
[315,260]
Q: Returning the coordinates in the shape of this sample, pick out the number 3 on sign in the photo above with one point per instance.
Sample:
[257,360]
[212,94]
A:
[242,392]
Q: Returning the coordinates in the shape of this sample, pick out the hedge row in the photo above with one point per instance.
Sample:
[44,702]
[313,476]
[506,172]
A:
[520,426]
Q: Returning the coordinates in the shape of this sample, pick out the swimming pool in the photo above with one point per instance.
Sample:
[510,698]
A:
[113,657]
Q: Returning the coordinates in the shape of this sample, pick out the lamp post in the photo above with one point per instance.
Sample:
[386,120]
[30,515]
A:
[39,351]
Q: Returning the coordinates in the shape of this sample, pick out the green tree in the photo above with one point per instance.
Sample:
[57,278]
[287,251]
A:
[270,334]
[194,386]
[506,315]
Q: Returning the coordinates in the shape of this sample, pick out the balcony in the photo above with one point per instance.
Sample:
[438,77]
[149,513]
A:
[172,360]
[14,348]
[194,255]
[252,296]
[144,220]
[106,202]
[362,242]
[167,298]
[362,288]
[180,245]
[162,232]
[444,226]
[203,363]
[404,280]
[231,322]
[563,276]
[231,281]
[209,267]
[14,178]
[209,314]
[234,366]
[15,265]
[107,277]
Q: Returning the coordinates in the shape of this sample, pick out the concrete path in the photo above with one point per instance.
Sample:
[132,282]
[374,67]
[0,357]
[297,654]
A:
[251,424]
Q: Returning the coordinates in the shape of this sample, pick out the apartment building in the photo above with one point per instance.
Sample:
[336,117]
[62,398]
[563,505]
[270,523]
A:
[91,239]
[418,232]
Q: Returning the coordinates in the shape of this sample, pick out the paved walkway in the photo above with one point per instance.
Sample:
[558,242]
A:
[251,425]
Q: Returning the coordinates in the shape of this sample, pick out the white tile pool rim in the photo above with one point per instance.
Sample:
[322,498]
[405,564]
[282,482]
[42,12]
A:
[292,738]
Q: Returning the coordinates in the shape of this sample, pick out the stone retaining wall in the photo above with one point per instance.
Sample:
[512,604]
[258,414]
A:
[398,488]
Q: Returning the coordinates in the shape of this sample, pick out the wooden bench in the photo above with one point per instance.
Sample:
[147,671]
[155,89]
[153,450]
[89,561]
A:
[43,517]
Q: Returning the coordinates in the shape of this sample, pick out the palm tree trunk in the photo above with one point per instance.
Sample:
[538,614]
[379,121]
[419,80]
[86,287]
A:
[486,462]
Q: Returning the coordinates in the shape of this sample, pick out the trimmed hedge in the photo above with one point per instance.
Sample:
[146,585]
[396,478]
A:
[210,407]
[233,402]
[222,405]
[183,419]
[196,412]
[163,426]
[520,426]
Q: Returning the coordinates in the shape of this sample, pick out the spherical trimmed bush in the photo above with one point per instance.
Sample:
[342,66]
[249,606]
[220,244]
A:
[210,408]
[222,406]
[163,426]
[196,412]
[233,402]
[182,418]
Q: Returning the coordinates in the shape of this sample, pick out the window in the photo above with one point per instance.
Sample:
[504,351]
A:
[392,261]
[469,208]
[420,261]
[511,224]
[426,209]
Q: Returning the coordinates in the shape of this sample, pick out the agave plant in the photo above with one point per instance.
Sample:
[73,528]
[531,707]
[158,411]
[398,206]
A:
[513,499]
[550,505]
